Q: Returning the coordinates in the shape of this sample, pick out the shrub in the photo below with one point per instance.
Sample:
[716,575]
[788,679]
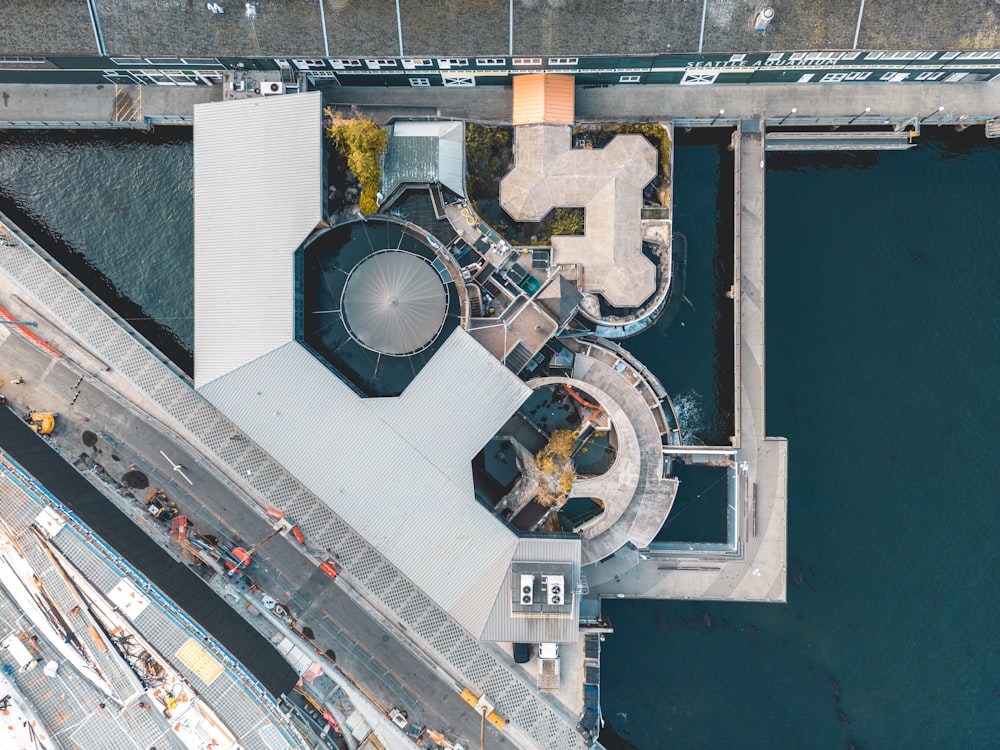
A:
[555,469]
[488,156]
[367,202]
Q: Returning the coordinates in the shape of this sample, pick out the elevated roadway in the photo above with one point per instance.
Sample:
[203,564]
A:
[123,364]
[105,434]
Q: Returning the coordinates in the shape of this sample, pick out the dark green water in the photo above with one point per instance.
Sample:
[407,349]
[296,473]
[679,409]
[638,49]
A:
[883,346]
[691,350]
[114,208]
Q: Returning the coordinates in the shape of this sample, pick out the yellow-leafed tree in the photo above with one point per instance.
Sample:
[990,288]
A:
[555,469]
[361,141]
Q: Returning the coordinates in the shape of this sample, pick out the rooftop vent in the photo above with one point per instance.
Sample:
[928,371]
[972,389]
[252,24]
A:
[527,589]
[555,590]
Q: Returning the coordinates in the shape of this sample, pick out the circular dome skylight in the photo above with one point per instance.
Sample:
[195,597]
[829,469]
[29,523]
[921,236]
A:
[394,303]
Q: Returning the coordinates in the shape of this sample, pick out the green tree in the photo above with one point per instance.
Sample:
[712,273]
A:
[362,141]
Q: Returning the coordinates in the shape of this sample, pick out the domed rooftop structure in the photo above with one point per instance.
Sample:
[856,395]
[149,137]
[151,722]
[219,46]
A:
[377,302]
[394,303]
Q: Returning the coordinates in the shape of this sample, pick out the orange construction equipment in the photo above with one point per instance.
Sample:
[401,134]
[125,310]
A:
[297,533]
[179,528]
[242,556]
[596,407]
[328,568]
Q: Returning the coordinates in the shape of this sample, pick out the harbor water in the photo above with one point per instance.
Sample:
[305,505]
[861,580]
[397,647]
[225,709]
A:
[115,208]
[882,351]
[883,345]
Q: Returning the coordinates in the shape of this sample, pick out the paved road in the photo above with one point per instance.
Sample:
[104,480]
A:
[376,660]
[32,102]
[688,102]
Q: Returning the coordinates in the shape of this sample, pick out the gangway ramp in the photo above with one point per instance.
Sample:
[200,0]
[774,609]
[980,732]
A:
[888,140]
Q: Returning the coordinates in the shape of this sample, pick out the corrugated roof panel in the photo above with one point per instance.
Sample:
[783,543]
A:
[503,627]
[456,403]
[386,466]
[424,152]
[451,157]
[258,194]
[548,98]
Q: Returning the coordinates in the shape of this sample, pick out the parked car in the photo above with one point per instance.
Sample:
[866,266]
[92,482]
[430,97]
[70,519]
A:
[522,653]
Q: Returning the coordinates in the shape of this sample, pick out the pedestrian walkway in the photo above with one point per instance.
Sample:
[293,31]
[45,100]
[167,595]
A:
[87,105]
[969,102]
[755,570]
[636,495]
[776,102]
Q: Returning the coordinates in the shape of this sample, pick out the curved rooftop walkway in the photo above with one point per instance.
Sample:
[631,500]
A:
[636,495]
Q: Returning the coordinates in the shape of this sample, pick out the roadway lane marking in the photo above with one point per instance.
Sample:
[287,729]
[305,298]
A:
[704,13]
[510,30]
[96,23]
[399,28]
[857,29]
[322,18]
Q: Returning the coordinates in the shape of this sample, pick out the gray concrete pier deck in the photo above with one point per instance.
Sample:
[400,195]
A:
[964,103]
[755,571]
[87,105]
[840,101]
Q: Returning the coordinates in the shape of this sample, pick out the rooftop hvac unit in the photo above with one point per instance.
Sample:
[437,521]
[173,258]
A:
[762,19]
[272,87]
[527,589]
[555,590]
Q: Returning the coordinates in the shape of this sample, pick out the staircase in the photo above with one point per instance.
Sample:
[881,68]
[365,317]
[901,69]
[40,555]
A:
[519,356]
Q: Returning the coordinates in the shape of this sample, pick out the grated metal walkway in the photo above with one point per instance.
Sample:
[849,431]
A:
[539,721]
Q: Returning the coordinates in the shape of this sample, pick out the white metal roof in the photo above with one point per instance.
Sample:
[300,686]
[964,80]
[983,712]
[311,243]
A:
[505,626]
[257,194]
[398,470]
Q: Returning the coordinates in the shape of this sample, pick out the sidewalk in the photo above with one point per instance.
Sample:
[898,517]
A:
[747,102]
[33,102]
[70,102]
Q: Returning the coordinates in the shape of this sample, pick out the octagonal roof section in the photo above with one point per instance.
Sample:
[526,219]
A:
[397,470]
[258,178]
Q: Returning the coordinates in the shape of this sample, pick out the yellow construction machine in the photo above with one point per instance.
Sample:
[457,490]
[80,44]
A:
[41,422]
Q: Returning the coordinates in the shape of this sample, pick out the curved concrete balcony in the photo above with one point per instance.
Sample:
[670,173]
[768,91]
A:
[636,495]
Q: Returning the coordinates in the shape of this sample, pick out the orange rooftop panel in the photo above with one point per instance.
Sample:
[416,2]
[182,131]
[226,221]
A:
[544,99]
